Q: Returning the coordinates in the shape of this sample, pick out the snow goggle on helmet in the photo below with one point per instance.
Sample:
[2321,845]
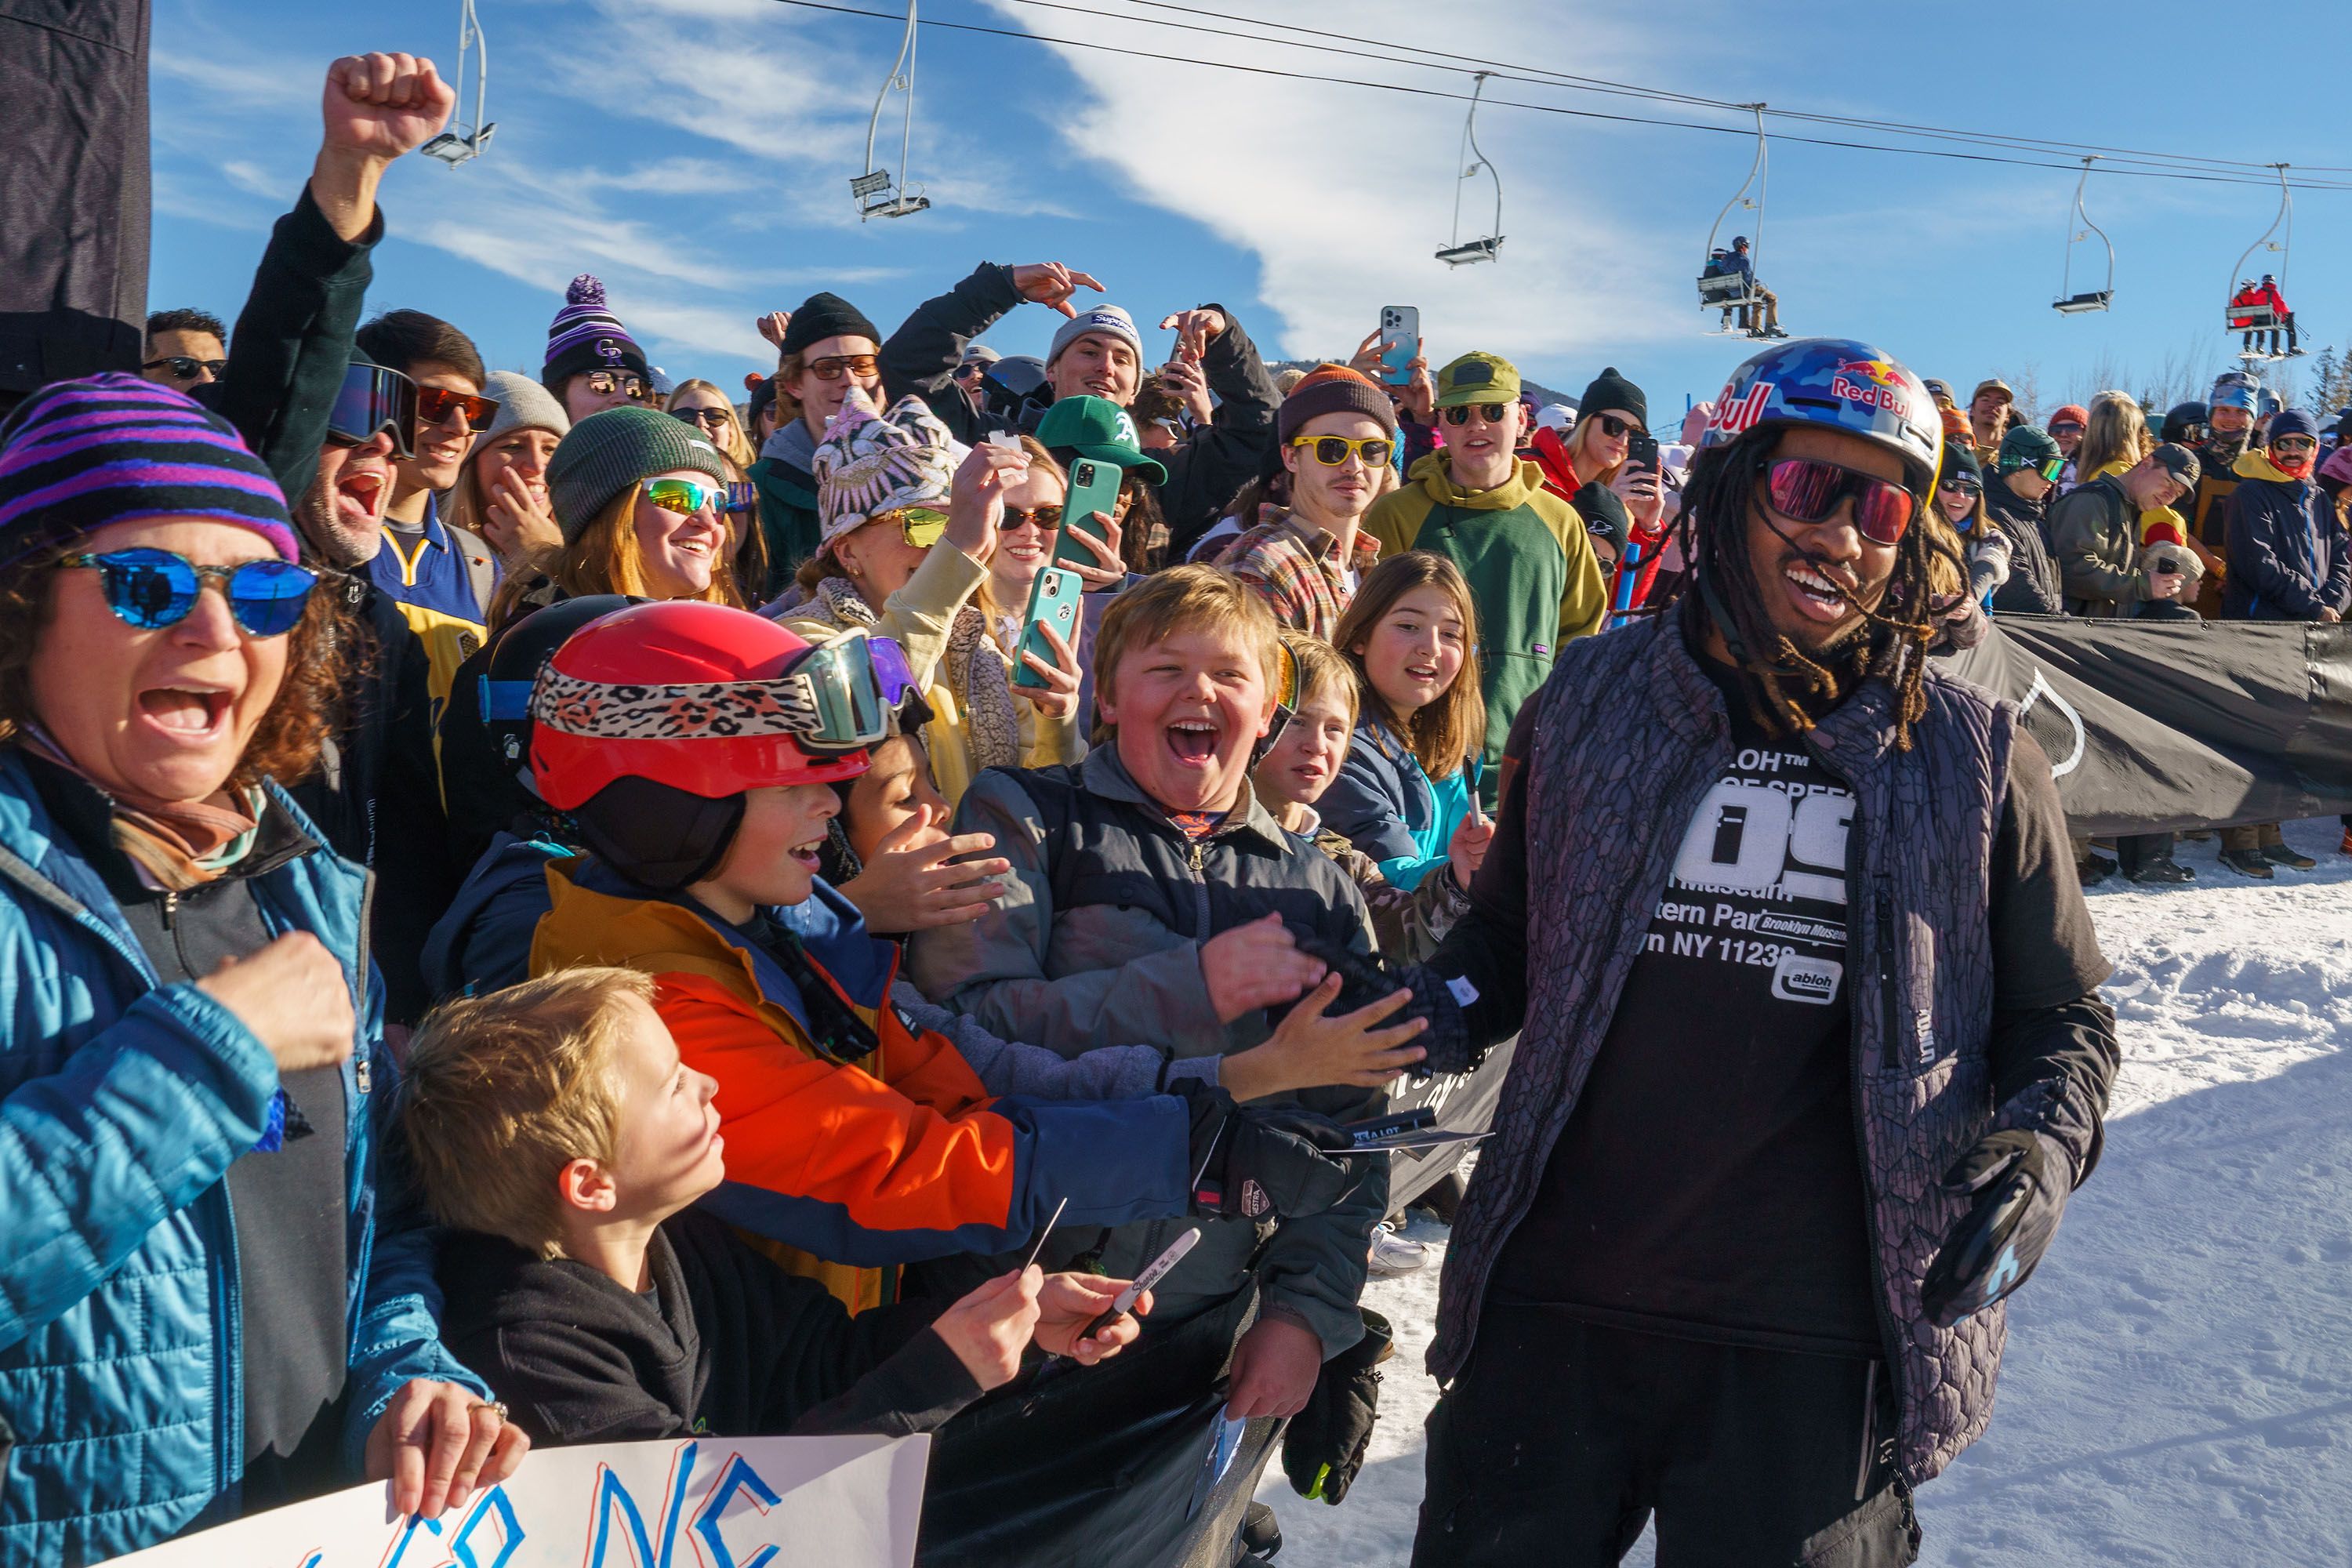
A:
[838,696]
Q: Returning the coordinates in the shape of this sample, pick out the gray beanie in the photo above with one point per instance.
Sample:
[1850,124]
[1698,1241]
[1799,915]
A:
[1107,321]
[608,452]
[523,405]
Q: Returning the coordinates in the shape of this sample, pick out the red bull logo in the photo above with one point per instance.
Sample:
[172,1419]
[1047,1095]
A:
[1873,383]
[1735,415]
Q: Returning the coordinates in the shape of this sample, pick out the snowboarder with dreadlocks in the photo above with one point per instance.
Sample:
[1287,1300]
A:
[1810,1052]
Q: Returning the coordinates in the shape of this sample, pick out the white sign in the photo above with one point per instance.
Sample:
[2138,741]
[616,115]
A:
[709,1502]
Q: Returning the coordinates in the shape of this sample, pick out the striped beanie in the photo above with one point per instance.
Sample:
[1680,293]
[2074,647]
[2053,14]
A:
[586,335]
[78,454]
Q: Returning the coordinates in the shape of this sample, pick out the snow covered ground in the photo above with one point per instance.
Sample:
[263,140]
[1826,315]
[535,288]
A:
[2177,1389]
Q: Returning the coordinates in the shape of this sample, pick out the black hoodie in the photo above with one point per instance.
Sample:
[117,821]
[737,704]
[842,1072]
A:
[726,1344]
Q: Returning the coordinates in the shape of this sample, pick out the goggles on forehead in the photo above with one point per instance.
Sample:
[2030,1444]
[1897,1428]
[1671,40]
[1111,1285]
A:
[837,697]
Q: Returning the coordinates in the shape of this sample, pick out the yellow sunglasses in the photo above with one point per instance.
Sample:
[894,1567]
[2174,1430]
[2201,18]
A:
[1372,451]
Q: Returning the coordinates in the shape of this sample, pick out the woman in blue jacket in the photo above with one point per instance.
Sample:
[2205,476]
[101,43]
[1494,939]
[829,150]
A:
[206,1303]
[1405,795]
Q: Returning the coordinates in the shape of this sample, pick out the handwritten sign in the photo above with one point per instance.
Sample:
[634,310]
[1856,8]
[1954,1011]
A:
[711,1502]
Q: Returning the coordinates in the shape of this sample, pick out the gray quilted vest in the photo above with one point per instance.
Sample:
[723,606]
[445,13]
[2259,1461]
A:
[1630,737]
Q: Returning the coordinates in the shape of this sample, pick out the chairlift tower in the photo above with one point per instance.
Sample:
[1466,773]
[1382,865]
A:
[2070,303]
[1457,251]
[874,191]
[463,142]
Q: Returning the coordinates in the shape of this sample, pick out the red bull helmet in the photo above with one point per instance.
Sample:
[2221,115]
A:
[1838,384]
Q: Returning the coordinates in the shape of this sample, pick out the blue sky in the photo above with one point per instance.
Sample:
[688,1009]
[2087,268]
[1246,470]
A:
[695,155]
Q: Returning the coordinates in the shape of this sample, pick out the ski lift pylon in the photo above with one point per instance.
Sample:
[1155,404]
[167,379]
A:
[2068,303]
[1729,289]
[2243,321]
[876,195]
[1457,251]
[462,141]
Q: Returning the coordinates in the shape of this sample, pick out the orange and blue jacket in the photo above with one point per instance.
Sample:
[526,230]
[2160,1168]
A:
[852,1167]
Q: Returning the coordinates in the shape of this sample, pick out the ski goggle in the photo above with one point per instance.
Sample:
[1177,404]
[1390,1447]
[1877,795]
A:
[1491,413]
[1372,451]
[1809,490]
[684,496]
[372,399]
[894,679]
[835,697]
[436,404]
[153,589]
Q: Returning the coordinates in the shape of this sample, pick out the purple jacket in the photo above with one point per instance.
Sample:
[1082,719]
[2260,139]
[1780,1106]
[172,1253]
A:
[1631,736]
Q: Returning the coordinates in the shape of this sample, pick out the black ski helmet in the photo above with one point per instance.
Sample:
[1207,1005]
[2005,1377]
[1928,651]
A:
[1014,388]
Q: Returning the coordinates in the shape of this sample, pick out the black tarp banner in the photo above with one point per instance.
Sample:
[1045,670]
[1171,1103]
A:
[2155,726]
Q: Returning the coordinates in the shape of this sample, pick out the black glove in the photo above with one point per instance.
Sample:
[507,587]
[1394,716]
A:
[1262,1161]
[2020,1180]
[1364,979]
[1323,1446]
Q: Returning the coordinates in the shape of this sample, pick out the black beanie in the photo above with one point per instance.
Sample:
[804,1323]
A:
[823,316]
[1609,390]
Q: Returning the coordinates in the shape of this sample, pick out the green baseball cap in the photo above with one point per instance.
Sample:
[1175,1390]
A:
[1477,378]
[1099,428]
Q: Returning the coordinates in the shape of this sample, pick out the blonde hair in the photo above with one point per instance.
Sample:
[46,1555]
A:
[1322,672]
[734,442]
[603,558]
[1452,728]
[1187,598]
[500,1092]
[2116,431]
[1577,438]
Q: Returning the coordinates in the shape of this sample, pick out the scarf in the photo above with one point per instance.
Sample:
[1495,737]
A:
[837,600]
[981,679]
[175,845]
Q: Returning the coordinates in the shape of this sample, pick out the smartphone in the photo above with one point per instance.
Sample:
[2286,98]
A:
[1641,448]
[1400,343]
[1052,602]
[1094,488]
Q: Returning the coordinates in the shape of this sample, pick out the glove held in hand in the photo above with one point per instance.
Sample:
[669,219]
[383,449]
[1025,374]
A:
[1365,979]
[2020,1180]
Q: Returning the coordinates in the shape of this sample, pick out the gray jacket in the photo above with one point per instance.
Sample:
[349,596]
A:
[2094,534]
[1097,943]
[1631,736]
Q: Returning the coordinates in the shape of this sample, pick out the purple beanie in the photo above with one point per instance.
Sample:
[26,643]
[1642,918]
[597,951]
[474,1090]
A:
[586,335]
[78,454]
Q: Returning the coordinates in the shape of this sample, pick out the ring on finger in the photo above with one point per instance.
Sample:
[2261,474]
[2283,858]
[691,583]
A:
[497,1407]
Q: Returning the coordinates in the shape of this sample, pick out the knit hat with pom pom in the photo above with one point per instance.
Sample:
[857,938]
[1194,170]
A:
[586,335]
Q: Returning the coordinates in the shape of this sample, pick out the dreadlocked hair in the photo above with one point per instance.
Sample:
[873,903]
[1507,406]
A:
[1782,679]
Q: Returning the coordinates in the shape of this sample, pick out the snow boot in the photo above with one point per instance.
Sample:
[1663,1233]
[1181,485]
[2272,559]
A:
[2280,854]
[1261,1534]
[2163,873]
[2249,863]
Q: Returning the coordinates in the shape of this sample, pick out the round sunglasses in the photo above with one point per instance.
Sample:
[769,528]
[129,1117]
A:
[1491,413]
[153,589]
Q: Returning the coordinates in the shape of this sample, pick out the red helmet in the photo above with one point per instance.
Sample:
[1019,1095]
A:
[701,698]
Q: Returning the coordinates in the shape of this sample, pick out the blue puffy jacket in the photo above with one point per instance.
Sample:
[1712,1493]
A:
[2289,556]
[1383,802]
[121,1107]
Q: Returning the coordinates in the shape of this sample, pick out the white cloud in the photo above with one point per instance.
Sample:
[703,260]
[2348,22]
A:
[1344,194]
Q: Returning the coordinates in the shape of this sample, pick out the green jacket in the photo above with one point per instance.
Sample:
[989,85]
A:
[1532,577]
[788,518]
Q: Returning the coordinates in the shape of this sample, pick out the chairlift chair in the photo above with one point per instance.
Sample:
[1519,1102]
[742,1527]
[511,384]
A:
[2245,321]
[1457,251]
[2069,302]
[461,140]
[1734,294]
[875,194]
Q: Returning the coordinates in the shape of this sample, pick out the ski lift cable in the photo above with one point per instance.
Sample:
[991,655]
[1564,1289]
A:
[1024,36]
[1540,75]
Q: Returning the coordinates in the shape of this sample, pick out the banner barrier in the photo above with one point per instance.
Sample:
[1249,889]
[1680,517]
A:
[708,1502]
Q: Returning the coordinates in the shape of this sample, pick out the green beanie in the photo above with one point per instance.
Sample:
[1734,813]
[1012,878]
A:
[2026,448]
[607,453]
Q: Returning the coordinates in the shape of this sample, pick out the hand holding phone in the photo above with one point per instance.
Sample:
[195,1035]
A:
[1400,343]
[1094,488]
[1052,613]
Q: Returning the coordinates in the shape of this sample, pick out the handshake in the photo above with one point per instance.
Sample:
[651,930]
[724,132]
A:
[1365,979]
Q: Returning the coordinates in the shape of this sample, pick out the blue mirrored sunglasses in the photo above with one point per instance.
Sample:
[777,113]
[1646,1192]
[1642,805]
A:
[151,589]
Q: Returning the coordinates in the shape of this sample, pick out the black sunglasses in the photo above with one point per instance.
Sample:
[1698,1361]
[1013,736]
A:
[185,366]
[1491,413]
[1614,427]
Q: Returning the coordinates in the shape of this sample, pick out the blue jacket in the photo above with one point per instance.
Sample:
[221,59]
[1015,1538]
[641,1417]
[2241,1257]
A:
[2289,557]
[1382,802]
[123,1106]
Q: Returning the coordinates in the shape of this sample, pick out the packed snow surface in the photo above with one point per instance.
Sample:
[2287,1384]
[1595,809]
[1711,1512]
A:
[2177,1389]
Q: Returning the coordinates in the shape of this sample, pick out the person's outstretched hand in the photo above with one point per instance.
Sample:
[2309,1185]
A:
[375,108]
[976,498]
[1311,1048]
[1256,965]
[1051,284]
[1274,1370]
[773,327]
[915,881]
[438,1442]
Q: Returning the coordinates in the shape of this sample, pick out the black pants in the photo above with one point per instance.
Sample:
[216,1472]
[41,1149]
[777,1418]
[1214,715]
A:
[1560,1438]
[2135,852]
